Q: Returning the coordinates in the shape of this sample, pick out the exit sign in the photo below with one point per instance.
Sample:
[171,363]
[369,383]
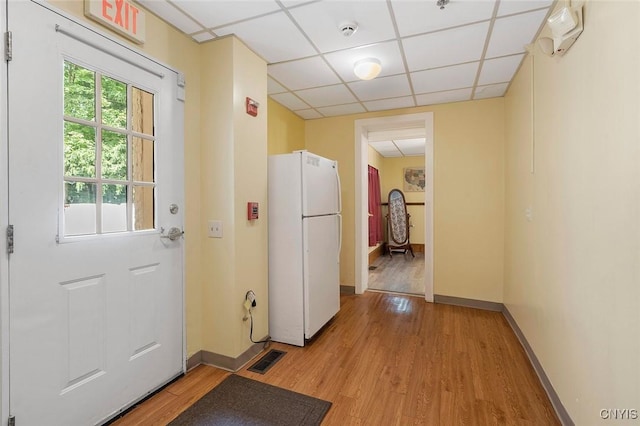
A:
[121,16]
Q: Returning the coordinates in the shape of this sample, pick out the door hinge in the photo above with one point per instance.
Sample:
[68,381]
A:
[10,239]
[12,421]
[8,46]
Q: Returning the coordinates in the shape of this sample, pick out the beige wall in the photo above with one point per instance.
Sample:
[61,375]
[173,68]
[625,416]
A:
[250,185]
[285,130]
[375,159]
[572,273]
[468,196]
[234,155]
[180,52]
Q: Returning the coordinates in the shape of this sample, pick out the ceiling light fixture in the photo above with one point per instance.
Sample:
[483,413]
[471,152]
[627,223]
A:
[367,69]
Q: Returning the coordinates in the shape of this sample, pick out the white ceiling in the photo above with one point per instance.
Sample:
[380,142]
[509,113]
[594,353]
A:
[398,142]
[469,50]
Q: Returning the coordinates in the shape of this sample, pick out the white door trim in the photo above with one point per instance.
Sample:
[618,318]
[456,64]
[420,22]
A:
[4,196]
[362,127]
[4,220]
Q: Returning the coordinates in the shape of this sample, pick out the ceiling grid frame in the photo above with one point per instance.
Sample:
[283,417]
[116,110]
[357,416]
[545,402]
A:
[320,22]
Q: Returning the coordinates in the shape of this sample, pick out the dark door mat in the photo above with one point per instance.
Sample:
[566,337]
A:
[239,401]
[267,361]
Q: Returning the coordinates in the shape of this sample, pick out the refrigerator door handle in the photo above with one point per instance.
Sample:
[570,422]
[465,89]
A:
[339,189]
[339,235]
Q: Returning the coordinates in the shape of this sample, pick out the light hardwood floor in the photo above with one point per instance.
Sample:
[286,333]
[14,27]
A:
[393,360]
[401,273]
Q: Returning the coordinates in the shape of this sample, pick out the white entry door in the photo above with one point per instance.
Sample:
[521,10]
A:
[95,174]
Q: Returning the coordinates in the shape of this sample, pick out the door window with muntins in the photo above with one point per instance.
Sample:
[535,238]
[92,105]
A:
[109,161]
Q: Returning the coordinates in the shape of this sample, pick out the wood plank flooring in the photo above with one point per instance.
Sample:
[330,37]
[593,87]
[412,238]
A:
[401,273]
[393,360]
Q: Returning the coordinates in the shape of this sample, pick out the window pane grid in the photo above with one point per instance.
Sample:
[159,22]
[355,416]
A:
[119,161]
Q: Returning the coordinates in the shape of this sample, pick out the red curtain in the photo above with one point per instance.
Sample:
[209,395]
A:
[375,208]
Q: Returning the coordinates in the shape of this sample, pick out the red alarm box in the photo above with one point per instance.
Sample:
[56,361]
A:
[252,211]
[252,107]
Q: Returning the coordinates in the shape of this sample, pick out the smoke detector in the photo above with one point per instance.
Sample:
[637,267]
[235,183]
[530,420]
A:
[348,28]
[442,3]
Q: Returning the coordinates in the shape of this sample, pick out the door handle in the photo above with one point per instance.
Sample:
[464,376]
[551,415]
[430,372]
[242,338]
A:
[173,234]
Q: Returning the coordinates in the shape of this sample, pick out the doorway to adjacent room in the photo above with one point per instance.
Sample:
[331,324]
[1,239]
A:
[389,128]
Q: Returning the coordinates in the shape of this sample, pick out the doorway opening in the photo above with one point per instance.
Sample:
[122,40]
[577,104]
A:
[394,125]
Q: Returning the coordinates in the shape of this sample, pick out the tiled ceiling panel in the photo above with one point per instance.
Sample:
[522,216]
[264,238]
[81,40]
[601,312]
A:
[382,87]
[303,74]
[511,34]
[509,7]
[167,11]
[448,78]
[322,20]
[213,14]
[390,103]
[499,70]
[274,37]
[290,100]
[490,91]
[468,50]
[444,97]
[328,95]
[417,17]
[444,48]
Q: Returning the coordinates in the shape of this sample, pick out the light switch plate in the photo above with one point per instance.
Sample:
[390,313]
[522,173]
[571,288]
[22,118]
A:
[215,229]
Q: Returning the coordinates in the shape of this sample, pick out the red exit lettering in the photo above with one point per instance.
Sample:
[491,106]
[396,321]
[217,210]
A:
[122,14]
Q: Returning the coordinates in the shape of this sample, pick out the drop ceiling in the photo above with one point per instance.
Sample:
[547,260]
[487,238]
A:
[468,50]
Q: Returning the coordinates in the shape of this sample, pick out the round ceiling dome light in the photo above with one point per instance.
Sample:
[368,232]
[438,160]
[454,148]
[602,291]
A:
[367,69]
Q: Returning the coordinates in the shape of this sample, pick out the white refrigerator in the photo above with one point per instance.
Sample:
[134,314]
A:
[305,230]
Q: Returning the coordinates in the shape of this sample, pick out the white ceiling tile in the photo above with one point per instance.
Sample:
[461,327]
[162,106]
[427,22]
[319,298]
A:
[444,48]
[202,37]
[327,95]
[385,87]
[448,78]
[290,101]
[444,97]
[383,146]
[303,74]
[499,70]
[511,34]
[321,22]
[410,143]
[274,87]
[171,14]
[411,152]
[507,7]
[308,114]
[403,102]
[491,91]
[391,154]
[220,12]
[274,37]
[333,111]
[415,17]
[294,3]
[387,53]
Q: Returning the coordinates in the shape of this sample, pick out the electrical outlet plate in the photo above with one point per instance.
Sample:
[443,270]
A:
[214,229]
